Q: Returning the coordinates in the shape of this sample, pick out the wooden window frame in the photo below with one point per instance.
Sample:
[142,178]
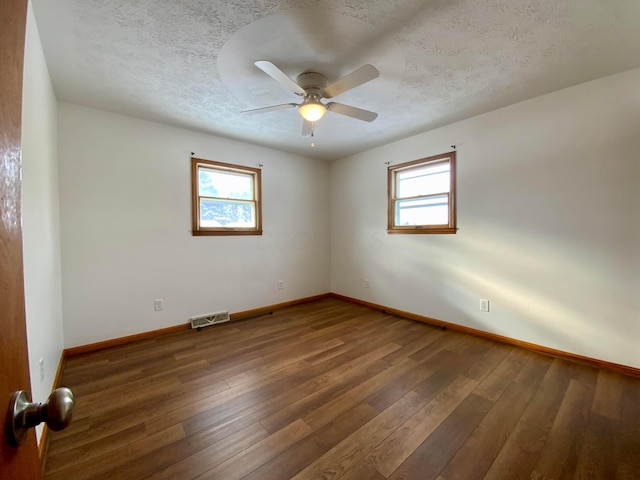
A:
[197,230]
[449,228]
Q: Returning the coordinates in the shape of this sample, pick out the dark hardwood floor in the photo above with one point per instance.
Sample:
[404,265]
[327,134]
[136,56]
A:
[330,390]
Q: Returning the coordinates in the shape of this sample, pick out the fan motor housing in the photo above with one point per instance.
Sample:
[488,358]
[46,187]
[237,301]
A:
[312,83]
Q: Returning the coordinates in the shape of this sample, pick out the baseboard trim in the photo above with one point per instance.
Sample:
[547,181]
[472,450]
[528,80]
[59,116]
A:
[594,362]
[278,306]
[625,369]
[93,347]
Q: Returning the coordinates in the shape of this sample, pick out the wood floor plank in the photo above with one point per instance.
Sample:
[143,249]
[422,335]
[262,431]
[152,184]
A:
[498,380]
[93,382]
[522,449]
[299,456]
[253,457]
[430,457]
[484,357]
[395,449]
[608,397]
[629,433]
[341,389]
[447,372]
[443,340]
[91,428]
[121,452]
[565,435]
[460,343]
[343,376]
[266,367]
[297,388]
[230,400]
[210,457]
[329,410]
[476,455]
[123,397]
[598,454]
[361,471]
[395,389]
[350,451]
[243,426]
[70,458]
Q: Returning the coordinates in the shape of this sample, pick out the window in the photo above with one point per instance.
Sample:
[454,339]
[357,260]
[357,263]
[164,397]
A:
[422,195]
[225,199]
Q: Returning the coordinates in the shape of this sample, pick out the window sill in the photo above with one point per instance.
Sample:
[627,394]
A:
[213,233]
[421,230]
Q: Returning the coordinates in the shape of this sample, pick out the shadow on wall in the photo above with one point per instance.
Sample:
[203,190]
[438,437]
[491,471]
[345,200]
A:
[560,294]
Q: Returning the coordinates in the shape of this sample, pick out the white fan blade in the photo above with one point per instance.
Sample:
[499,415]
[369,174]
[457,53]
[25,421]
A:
[353,112]
[279,76]
[355,78]
[307,128]
[270,109]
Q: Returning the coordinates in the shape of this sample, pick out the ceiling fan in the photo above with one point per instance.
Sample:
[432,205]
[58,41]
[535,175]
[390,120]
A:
[312,86]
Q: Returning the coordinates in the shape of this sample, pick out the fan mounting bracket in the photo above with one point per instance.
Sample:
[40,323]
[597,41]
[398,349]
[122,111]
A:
[312,83]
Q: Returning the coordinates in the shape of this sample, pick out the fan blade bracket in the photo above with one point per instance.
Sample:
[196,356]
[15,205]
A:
[279,76]
[362,75]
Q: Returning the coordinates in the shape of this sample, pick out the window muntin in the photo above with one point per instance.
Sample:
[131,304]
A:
[225,199]
[421,195]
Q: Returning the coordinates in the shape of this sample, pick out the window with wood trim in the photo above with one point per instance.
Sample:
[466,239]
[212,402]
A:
[226,199]
[422,195]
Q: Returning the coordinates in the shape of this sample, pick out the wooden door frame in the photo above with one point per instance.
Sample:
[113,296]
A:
[15,462]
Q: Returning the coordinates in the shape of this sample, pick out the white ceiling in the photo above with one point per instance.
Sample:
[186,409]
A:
[189,63]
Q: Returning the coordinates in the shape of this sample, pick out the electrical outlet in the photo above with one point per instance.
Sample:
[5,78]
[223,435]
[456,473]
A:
[158,304]
[281,284]
[484,305]
[41,363]
[367,283]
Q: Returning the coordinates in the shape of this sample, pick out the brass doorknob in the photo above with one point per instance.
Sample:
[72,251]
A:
[56,412]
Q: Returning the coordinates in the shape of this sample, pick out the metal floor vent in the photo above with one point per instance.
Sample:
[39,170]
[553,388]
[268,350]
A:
[209,319]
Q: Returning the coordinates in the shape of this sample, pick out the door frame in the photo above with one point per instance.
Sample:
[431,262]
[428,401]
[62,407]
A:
[15,462]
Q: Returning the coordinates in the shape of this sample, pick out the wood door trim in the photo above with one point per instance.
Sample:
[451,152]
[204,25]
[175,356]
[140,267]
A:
[15,462]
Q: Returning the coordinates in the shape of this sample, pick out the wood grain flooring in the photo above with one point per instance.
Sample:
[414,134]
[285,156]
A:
[330,390]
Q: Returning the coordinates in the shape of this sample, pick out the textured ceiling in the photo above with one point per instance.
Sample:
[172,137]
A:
[189,63]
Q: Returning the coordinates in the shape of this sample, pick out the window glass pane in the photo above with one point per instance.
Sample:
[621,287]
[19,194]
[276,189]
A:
[422,181]
[426,211]
[213,183]
[227,213]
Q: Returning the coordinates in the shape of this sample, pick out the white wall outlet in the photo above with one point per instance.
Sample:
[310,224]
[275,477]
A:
[484,305]
[281,284]
[367,283]
[158,304]
[41,363]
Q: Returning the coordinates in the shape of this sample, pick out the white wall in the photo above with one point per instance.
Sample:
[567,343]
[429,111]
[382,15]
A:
[125,194]
[40,218]
[549,229]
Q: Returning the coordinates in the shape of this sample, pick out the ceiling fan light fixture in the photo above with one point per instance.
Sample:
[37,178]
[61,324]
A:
[312,110]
